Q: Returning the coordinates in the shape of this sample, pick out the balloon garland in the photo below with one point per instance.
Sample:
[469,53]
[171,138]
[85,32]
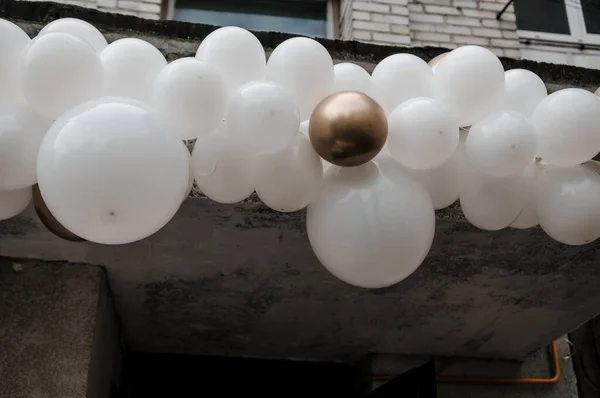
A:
[99,128]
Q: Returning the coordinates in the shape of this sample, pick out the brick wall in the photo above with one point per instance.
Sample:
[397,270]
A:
[439,23]
[149,9]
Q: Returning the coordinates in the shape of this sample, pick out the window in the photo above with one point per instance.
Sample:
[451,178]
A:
[567,21]
[308,18]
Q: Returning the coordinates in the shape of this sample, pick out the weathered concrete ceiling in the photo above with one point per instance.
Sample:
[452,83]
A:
[242,279]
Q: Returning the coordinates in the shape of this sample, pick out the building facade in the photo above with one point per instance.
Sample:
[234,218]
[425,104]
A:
[556,31]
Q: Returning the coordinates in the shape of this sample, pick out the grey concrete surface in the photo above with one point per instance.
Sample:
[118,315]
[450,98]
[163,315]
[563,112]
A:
[58,335]
[242,280]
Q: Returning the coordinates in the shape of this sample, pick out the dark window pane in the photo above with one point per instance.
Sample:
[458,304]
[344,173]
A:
[542,16]
[591,15]
[304,18]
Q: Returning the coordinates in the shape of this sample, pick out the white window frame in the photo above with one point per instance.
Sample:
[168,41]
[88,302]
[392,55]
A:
[333,11]
[576,22]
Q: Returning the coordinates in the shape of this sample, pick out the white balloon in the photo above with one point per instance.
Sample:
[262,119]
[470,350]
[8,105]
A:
[303,129]
[236,53]
[401,77]
[111,172]
[567,123]
[471,82]
[261,117]
[58,72]
[528,217]
[190,184]
[130,68]
[21,133]
[290,179]
[13,40]
[193,95]
[372,225]
[502,144]
[351,77]
[568,203]
[492,203]
[422,133]
[444,182]
[305,68]
[223,171]
[14,202]
[79,28]
[523,91]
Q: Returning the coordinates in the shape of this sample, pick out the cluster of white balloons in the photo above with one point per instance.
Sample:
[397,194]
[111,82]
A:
[102,128]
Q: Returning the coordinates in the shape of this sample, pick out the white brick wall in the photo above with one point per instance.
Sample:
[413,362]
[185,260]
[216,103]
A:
[439,23]
[149,9]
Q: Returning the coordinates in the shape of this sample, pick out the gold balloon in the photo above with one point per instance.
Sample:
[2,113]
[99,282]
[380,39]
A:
[433,64]
[348,128]
[48,219]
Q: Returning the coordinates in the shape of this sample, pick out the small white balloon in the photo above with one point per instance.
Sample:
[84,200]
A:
[351,77]
[58,72]
[111,172]
[21,133]
[290,179]
[422,133]
[304,68]
[401,77]
[78,28]
[261,117]
[13,40]
[236,53]
[193,95]
[130,68]
[567,123]
[568,203]
[471,82]
[523,91]
[372,225]
[502,144]
[223,171]
[528,217]
[13,202]
[444,182]
[303,129]
[492,203]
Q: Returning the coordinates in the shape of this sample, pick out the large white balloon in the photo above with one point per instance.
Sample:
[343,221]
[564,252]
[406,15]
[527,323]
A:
[528,217]
[502,144]
[58,72]
[399,78]
[567,123]
[471,82]
[422,133]
[130,68]
[21,133]
[523,91]
[14,202]
[13,40]
[224,172]
[351,77]
[261,117]
[372,225]
[444,182]
[111,172]
[79,28]
[236,53]
[568,203]
[492,203]
[193,95]
[305,68]
[290,179]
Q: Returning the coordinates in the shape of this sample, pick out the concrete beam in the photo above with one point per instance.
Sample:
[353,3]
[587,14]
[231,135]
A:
[58,332]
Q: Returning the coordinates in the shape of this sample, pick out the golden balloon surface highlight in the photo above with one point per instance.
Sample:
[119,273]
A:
[48,219]
[433,64]
[348,128]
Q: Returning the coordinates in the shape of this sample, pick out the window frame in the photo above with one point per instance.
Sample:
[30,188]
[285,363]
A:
[576,21]
[332,17]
